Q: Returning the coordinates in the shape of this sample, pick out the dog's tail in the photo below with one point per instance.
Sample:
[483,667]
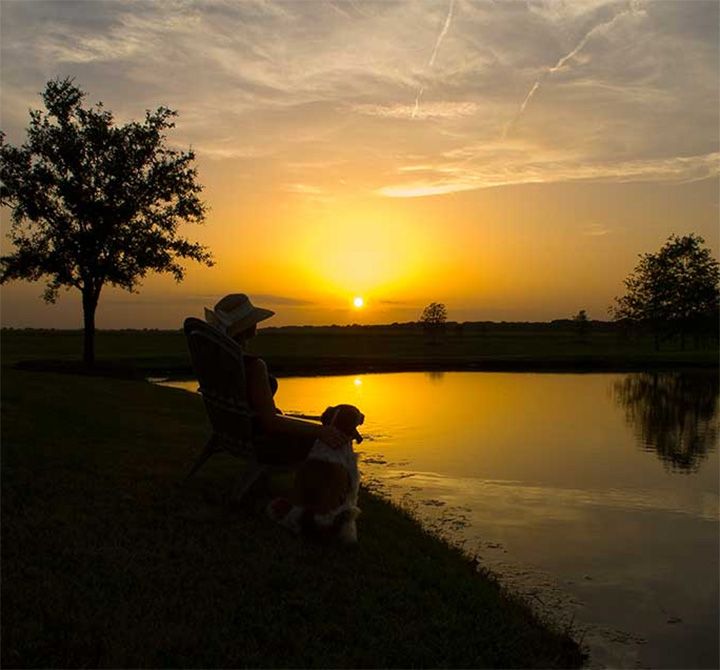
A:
[283,512]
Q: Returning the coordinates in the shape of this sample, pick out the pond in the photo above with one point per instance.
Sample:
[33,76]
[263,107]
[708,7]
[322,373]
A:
[595,495]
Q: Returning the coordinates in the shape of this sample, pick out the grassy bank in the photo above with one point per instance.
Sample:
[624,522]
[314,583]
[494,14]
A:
[108,563]
[335,350]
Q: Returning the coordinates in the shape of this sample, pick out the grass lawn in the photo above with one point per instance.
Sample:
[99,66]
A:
[106,562]
[336,350]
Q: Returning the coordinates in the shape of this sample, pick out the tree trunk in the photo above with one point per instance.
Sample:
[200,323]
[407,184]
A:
[89,302]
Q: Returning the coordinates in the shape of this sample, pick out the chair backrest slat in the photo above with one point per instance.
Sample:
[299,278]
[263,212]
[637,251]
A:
[218,363]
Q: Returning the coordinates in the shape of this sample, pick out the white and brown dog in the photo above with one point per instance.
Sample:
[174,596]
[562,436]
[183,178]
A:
[324,504]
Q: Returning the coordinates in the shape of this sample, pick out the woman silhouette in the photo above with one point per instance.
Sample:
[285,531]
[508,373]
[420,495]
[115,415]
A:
[282,440]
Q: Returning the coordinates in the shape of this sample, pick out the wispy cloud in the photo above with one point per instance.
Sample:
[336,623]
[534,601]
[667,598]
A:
[595,230]
[151,299]
[432,110]
[398,303]
[443,179]
[279,300]
[634,85]
[304,188]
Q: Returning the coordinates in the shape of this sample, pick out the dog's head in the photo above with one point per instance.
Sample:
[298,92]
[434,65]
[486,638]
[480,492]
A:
[345,418]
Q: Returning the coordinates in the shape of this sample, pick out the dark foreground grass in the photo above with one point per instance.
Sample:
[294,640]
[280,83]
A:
[106,562]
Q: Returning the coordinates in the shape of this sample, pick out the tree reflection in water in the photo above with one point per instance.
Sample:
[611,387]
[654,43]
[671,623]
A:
[673,414]
[435,376]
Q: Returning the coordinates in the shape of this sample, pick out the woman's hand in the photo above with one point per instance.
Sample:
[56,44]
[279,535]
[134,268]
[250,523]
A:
[333,437]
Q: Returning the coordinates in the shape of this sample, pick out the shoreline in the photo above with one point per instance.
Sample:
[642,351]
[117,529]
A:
[335,366]
[318,368]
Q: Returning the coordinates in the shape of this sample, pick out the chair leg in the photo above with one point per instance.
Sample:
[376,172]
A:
[246,479]
[209,450]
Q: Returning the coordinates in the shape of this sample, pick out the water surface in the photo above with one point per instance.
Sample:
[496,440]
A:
[596,495]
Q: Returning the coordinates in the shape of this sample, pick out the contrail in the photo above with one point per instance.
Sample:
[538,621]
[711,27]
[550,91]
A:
[567,57]
[417,101]
[443,32]
[528,98]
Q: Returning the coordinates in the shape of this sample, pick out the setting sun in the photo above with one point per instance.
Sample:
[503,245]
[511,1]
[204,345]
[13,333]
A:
[358,302]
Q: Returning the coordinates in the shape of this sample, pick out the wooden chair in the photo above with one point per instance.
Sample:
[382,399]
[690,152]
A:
[218,363]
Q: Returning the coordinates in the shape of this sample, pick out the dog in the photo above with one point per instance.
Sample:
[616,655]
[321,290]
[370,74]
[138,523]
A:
[324,505]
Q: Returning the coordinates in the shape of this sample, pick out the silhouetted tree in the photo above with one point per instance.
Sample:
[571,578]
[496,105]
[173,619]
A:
[582,324]
[94,203]
[435,313]
[673,414]
[433,319]
[674,290]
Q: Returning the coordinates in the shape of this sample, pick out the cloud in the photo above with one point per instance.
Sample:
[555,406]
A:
[117,297]
[304,188]
[595,230]
[430,110]
[444,180]
[279,300]
[599,89]
[206,299]
[226,148]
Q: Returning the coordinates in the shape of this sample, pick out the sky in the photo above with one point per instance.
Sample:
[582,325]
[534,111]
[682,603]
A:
[509,159]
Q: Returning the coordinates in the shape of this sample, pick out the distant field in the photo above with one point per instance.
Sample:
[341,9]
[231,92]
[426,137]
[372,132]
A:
[332,350]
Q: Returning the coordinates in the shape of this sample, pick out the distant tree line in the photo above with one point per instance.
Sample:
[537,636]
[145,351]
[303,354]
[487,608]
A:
[673,293]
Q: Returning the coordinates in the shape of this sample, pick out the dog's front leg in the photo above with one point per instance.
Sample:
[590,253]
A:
[320,486]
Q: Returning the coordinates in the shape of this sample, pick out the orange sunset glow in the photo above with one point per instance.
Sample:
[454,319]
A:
[360,160]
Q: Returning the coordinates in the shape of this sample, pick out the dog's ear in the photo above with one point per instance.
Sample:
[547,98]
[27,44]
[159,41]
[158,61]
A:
[361,420]
[327,416]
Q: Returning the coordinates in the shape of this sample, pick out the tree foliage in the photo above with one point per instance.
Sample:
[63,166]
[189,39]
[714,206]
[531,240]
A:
[94,203]
[433,319]
[434,314]
[674,290]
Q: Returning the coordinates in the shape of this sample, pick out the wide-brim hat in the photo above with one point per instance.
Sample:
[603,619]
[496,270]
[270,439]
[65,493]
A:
[235,313]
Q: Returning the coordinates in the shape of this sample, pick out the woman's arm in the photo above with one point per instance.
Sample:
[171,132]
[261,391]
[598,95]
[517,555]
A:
[274,423]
